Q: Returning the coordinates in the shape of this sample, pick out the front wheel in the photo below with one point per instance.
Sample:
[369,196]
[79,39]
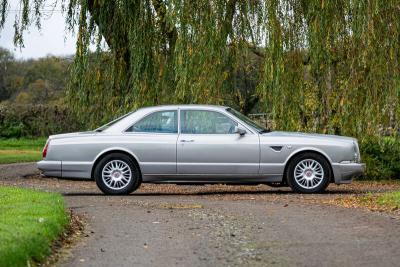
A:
[308,173]
[117,174]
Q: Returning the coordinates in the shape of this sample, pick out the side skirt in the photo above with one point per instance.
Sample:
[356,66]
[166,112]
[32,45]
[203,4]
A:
[211,179]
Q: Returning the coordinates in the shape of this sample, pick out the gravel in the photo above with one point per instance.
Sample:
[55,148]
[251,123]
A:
[219,225]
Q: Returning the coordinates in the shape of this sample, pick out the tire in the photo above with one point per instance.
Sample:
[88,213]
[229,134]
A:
[308,173]
[117,174]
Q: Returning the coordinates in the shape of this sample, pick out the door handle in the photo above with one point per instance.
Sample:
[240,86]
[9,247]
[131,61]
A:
[187,141]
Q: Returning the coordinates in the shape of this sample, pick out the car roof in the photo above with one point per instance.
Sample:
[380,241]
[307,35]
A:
[138,114]
[184,106]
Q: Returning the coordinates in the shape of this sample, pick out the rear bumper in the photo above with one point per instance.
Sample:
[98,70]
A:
[345,172]
[50,168]
[66,169]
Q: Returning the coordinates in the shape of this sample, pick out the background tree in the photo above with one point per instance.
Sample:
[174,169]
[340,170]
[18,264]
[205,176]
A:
[5,61]
[35,102]
[326,66]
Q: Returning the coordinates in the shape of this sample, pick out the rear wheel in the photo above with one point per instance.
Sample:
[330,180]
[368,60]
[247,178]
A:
[308,173]
[117,174]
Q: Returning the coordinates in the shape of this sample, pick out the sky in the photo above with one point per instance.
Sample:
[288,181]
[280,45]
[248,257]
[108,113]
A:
[52,39]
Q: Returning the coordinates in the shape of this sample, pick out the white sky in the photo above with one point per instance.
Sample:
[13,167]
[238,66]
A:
[52,39]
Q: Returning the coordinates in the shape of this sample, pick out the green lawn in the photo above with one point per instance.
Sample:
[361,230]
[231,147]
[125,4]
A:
[30,221]
[390,200]
[21,150]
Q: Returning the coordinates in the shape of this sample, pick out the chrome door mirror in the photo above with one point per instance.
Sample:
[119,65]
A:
[240,130]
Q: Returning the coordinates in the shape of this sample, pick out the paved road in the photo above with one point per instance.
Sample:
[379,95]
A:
[167,225]
[8,171]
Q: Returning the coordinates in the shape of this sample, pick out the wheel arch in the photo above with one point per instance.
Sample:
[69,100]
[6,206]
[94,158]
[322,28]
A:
[309,150]
[106,152]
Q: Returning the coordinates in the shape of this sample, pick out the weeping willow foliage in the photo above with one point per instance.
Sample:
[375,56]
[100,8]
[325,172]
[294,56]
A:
[329,66]
[333,66]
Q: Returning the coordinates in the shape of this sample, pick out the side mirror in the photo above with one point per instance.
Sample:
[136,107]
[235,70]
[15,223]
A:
[240,130]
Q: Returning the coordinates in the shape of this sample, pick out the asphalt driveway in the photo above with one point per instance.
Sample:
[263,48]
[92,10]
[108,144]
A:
[168,225]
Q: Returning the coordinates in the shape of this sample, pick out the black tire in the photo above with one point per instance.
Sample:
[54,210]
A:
[296,186]
[132,184]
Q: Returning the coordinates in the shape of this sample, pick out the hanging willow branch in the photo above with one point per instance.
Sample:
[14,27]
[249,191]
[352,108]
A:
[313,65]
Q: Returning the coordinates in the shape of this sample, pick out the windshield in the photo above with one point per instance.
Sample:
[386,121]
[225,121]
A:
[105,126]
[247,120]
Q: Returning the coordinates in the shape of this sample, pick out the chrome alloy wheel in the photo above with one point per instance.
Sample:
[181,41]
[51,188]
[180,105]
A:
[116,174]
[308,173]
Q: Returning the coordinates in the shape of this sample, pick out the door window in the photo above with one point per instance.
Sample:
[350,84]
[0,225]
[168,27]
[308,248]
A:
[206,122]
[157,122]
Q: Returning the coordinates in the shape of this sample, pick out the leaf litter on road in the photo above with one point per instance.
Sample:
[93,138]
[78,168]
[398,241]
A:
[359,194]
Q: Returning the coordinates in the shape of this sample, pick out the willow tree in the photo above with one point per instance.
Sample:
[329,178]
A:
[333,66]
[329,66]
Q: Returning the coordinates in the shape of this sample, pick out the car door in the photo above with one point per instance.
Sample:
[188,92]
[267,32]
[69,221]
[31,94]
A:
[208,144]
[153,140]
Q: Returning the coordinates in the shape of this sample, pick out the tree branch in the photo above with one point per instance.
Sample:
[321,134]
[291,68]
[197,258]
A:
[168,29]
[103,23]
[230,12]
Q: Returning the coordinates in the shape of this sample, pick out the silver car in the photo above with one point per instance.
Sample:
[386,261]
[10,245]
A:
[199,144]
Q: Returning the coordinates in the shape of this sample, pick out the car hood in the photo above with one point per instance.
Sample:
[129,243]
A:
[311,136]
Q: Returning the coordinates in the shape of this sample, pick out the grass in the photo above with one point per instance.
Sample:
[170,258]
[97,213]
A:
[21,150]
[384,202]
[30,221]
[390,200]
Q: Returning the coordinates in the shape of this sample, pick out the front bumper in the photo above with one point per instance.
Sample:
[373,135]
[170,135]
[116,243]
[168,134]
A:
[50,168]
[345,172]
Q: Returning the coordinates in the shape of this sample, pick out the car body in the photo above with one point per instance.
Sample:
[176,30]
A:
[199,144]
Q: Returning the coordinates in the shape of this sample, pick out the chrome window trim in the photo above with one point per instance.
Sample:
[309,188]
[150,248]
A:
[179,121]
[145,133]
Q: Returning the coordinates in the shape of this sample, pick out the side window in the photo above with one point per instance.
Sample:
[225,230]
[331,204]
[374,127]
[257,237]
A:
[206,122]
[157,122]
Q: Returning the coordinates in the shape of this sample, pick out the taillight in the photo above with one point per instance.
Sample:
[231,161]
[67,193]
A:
[44,153]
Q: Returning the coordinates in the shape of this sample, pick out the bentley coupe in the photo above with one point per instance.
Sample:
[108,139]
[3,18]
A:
[199,144]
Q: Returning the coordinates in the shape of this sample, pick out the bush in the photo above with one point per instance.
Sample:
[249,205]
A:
[382,157]
[12,129]
[35,120]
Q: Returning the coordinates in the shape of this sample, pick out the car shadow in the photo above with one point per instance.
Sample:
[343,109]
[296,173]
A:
[216,193]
